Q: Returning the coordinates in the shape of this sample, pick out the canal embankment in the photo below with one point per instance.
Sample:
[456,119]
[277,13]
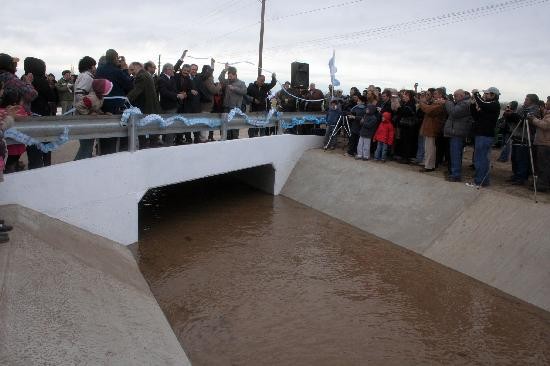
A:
[496,238]
[68,297]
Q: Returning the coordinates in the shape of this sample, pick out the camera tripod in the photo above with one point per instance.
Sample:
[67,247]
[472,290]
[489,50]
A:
[525,133]
[343,123]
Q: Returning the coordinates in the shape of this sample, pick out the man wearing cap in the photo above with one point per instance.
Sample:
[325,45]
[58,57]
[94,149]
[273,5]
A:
[485,112]
[65,91]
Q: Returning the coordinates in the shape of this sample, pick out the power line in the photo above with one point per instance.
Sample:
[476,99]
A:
[205,18]
[353,2]
[386,31]
[282,17]
[219,13]
[431,22]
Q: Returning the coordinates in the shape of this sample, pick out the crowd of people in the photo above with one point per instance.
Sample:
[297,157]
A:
[427,128]
[106,85]
[431,127]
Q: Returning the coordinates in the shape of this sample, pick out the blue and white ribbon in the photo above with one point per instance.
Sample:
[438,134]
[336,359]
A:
[210,122]
[298,121]
[14,134]
[254,122]
[166,122]
[299,98]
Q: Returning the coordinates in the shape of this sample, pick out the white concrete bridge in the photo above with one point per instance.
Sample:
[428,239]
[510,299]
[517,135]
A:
[101,194]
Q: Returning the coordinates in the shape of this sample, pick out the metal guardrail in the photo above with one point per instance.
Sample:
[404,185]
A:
[49,128]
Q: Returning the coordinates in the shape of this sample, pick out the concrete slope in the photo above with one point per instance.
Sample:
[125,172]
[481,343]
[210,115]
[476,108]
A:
[72,298]
[503,241]
[407,208]
[499,239]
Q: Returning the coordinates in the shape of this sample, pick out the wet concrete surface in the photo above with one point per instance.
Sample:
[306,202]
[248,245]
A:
[245,278]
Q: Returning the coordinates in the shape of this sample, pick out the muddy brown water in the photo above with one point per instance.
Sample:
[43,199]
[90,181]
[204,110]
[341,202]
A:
[245,278]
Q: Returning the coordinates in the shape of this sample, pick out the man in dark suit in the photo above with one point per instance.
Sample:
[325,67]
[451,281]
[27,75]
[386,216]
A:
[144,94]
[193,101]
[184,85]
[169,96]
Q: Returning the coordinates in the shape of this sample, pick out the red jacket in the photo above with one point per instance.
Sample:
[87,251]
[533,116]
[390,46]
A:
[385,132]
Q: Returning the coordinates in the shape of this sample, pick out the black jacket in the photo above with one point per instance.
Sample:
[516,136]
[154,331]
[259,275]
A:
[407,115]
[45,94]
[260,94]
[168,92]
[370,121]
[192,104]
[485,120]
[359,112]
[122,84]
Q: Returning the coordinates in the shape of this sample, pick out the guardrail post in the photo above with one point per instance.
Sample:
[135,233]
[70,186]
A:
[132,134]
[223,127]
[278,126]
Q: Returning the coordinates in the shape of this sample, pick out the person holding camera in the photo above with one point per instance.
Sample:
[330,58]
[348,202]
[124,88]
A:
[509,119]
[542,142]
[407,122]
[457,128]
[432,125]
[521,158]
[485,112]
[354,116]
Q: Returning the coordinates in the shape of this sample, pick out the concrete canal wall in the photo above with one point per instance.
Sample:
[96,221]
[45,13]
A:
[493,237]
[68,297]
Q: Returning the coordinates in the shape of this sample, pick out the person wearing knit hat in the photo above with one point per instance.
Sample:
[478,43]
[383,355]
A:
[8,67]
[92,103]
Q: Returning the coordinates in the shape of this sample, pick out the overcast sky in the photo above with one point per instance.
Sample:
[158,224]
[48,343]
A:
[376,42]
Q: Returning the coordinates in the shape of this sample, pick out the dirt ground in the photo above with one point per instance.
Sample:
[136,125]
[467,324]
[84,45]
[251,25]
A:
[499,171]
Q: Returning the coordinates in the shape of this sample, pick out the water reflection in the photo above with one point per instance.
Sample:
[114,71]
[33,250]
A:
[249,279]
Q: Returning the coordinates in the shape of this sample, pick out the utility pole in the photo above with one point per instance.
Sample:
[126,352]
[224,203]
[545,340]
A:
[261,39]
[158,68]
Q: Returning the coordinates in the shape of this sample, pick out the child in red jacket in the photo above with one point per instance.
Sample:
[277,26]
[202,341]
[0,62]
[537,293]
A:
[384,136]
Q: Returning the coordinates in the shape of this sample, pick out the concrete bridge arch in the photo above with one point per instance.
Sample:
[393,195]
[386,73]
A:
[101,195]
